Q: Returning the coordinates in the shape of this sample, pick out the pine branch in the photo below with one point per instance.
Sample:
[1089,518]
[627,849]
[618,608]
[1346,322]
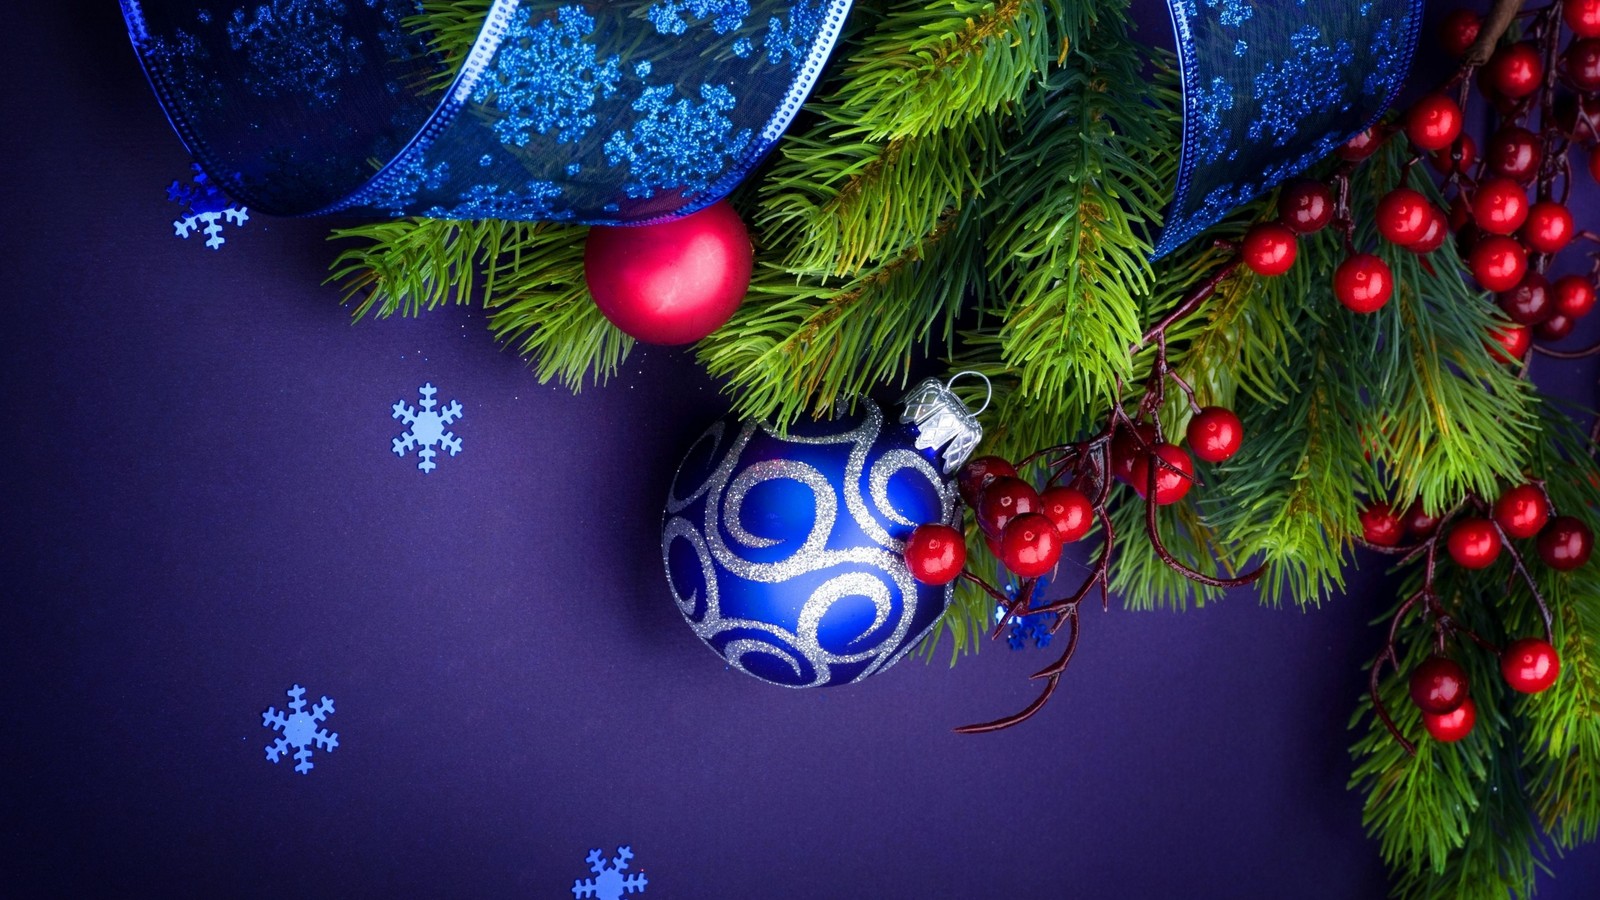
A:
[411,265]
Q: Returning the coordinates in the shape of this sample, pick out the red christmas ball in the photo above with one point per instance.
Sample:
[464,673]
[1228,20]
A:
[1581,65]
[1549,227]
[1565,543]
[1530,302]
[1030,545]
[1070,510]
[1514,71]
[935,554]
[1363,283]
[1269,248]
[1403,216]
[1004,499]
[1515,153]
[1215,434]
[1433,123]
[1439,685]
[1583,17]
[1530,665]
[976,475]
[1305,207]
[1500,206]
[1508,343]
[1473,543]
[1498,262]
[1458,30]
[1454,725]
[1572,296]
[1127,449]
[1554,328]
[1520,511]
[673,282]
[1170,485]
[1380,527]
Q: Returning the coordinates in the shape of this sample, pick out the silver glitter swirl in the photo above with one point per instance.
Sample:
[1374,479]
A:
[885,572]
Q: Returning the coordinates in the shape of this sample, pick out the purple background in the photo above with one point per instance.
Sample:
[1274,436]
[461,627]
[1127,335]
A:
[201,509]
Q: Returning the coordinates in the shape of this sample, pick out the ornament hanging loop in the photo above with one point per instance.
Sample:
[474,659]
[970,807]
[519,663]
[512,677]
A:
[988,387]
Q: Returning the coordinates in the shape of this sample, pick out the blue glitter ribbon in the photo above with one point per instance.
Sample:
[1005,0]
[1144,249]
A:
[1271,87]
[633,111]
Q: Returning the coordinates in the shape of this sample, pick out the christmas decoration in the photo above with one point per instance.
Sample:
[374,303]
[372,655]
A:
[300,730]
[425,428]
[1530,665]
[787,555]
[207,209]
[674,282]
[609,882]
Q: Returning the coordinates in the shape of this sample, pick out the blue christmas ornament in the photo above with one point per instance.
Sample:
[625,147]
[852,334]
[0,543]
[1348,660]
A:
[785,553]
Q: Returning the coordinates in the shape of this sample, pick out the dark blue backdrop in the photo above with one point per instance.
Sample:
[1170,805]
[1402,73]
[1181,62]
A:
[200,508]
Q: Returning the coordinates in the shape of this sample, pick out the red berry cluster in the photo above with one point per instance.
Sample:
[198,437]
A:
[1439,686]
[1475,541]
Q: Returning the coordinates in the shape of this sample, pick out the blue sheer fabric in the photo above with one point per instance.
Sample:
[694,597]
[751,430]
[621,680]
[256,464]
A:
[631,111]
[1271,87]
[610,111]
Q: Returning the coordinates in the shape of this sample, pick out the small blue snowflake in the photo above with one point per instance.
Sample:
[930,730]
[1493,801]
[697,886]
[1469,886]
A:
[425,428]
[299,729]
[1038,627]
[608,882]
[547,77]
[207,209]
[682,145]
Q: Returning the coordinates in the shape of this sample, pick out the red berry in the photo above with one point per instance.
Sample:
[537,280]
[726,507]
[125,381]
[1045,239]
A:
[1508,343]
[1439,685]
[1549,227]
[1473,543]
[1361,146]
[1127,448]
[1380,527]
[1554,328]
[1305,207]
[1529,303]
[1520,511]
[1458,31]
[1433,235]
[1030,545]
[1403,216]
[1565,543]
[1530,665]
[1498,262]
[1514,153]
[1499,206]
[1453,725]
[1583,17]
[1070,510]
[1419,525]
[1215,434]
[1269,248]
[1445,161]
[1581,64]
[1363,283]
[1572,296]
[976,475]
[1170,485]
[935,554]
[1514,71]
[1433,123]
[1003,500]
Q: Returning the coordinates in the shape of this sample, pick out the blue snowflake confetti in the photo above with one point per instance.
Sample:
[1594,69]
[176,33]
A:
[1038,628]
[207,209]
[608,882]
[299,729]
[426,428]
[547,77]
[677,145]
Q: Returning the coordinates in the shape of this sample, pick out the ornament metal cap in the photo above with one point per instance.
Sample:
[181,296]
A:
[943,422]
